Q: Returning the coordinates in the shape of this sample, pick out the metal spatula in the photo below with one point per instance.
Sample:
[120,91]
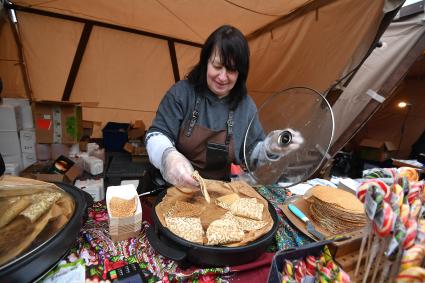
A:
[310,228]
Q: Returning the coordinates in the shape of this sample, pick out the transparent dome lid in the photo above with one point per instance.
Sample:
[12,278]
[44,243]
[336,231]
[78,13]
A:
[33,212]
[300,109]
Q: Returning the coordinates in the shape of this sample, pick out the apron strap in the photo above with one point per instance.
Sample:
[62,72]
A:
[195,115]
[229,127]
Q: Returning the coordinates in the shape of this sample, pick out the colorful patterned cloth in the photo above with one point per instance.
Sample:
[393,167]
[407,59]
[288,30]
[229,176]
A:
[102,255]
[287,235]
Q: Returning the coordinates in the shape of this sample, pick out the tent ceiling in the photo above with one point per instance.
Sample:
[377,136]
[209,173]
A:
[124,55]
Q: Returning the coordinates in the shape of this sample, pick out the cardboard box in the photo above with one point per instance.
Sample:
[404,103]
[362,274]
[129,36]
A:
[122,228]
[376,150]
[27,141]
[41,171]
[24,110]
[57,122]
[10,118]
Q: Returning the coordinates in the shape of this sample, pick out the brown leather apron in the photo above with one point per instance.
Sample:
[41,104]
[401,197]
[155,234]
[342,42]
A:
[209,151]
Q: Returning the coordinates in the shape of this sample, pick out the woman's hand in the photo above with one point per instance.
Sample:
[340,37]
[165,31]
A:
[177,170]
[279,143]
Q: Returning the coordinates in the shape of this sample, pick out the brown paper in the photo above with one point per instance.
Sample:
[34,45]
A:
[212,211]
[18,235]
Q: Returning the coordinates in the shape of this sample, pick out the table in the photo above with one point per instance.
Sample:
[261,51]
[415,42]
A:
[102,255]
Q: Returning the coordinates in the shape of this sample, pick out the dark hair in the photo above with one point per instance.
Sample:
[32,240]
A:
[234,53]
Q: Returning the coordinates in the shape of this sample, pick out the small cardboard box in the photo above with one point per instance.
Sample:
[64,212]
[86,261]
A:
[122,228]
[376,150]
[41,171]
[57,121]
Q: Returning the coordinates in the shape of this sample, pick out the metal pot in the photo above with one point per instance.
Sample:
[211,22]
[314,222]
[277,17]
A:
[187,253]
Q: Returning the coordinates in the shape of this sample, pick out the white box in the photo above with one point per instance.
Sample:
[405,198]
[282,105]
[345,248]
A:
[9,118]
[28,159]
[25,111]
[12,169]
[27,140]
[9,143]
[93,187]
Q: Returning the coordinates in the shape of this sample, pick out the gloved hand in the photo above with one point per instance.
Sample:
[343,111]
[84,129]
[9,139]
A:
[276,143]
[177,170]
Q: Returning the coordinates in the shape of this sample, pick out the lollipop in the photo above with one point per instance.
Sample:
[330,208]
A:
[404,212]
[412,257]
[310,262]
[372,185]
[325,275]
[409,172]
[412,227]
[384,220]
[288,268]
[300,271]
[414,192]
[415,208]
[397,195]
[342,277]
[412,275]
[420,237]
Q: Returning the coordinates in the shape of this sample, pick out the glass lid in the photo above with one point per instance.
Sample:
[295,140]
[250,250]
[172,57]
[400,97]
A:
[32,212]
[301,110]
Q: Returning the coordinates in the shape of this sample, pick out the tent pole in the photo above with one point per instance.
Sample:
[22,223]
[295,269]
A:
[82,44]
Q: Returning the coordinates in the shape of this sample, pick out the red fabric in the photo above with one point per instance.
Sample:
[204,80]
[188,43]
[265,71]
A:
[256,271]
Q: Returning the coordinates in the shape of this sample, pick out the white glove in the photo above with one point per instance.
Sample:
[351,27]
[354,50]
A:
[177,170]
[278,143]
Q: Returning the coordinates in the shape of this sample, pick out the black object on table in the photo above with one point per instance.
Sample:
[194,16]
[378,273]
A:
[119,166]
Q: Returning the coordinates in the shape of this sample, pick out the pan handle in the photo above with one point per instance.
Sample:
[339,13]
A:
[168,251]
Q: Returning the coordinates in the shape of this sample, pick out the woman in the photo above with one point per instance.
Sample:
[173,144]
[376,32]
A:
[201,121]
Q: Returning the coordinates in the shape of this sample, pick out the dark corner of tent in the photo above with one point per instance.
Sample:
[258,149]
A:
[80,86]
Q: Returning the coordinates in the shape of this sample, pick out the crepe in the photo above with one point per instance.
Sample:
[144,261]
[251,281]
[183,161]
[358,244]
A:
[202,185]
[119,207]
[246,224]
[188,228]
[184,209]
[43,204]
[227,200]
[335,210]
[224,231]
[12,209]
[247,207]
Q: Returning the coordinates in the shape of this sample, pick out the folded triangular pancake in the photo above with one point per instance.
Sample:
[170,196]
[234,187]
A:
[188,228]
[226,200]
[224,231]
[248,207]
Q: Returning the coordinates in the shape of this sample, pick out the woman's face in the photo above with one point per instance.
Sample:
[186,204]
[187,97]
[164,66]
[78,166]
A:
[220,80]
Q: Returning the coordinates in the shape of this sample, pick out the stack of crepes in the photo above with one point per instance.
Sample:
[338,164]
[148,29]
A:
[335,210]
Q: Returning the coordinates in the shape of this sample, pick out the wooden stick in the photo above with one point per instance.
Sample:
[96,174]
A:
[396,265]
[383,246]
[362,247]
[372,255]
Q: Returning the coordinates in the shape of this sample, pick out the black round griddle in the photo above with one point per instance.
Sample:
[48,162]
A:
[31,265]
[187,253]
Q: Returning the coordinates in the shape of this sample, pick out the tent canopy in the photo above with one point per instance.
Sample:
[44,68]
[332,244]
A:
[124,55]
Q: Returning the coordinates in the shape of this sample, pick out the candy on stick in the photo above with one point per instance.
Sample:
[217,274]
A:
[415,208]
[288,268]
[325,275]
[414,274]
[412,229]
[409,172]
[414,191]
[412,257]
[404,213]
[420,237]
[310,262]
[300,271]
[384,220]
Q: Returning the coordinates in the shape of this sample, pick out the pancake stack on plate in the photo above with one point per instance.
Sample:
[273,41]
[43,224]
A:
[335,210]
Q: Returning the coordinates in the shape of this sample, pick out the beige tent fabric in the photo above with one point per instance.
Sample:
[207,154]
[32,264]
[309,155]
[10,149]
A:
[312,50]
[127,74]
[49,49]
[10,70]
[188,20]
[397,42]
